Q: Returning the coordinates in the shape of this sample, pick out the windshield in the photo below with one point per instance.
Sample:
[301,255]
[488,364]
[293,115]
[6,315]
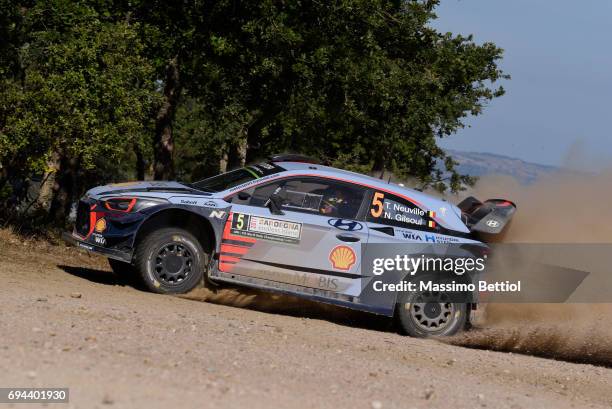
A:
[236,177]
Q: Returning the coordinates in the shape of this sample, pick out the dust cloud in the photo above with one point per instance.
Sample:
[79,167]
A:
[570,207]
[270,302]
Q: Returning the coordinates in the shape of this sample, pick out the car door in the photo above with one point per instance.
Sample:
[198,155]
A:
[396,226]
[315,242]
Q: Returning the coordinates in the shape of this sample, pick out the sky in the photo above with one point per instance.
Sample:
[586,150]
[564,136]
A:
[558,105]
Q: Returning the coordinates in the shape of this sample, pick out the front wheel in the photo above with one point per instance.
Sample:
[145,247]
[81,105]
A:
[170,261]
[430,314]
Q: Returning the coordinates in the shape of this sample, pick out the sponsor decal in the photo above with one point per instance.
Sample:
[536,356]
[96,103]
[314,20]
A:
[345,224]
[443,211]
[433,238]
[217,214]
[100,225]
[99,239]
[289,277]
[282,231]
[252,182]
[428,237]
[85,246]
[342,257]
[328,283]
[410,235]
[492,223]
[196,202]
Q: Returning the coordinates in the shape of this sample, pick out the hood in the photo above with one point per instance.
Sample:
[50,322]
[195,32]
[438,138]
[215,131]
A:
[143,186]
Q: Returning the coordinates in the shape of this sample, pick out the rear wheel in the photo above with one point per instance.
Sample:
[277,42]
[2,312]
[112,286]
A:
[429,314]
[170,261]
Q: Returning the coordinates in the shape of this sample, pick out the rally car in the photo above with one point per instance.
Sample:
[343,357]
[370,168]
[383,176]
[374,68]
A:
[288,225]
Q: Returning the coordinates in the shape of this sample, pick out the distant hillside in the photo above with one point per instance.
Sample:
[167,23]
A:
[481,164]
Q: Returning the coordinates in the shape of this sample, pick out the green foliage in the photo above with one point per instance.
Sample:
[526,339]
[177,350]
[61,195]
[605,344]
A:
[366,85]
[199,146]
[87,91]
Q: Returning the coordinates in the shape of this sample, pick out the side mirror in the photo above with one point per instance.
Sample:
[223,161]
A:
[244,196]
[275,204]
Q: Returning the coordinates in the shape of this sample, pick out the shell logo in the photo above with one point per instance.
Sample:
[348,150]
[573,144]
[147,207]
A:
[342,257]
[100,225]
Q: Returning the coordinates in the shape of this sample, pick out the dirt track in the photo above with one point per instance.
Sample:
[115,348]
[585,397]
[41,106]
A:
[67,321]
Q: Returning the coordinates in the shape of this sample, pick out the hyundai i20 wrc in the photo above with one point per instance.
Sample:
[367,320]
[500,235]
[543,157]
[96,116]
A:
[287,225]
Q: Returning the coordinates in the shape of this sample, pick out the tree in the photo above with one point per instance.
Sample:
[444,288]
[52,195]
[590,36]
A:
[365,84]
[91,91]
[86,95]
[167,29]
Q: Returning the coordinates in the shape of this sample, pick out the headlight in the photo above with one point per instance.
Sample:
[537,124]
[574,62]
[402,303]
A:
[130,204]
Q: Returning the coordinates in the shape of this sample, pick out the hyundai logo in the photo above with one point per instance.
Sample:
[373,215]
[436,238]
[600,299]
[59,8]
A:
[344,224]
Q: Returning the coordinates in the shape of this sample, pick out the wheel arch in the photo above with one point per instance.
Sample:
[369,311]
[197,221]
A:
[193,222]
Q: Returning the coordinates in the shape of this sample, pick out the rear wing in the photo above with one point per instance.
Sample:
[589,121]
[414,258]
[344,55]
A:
[490,216]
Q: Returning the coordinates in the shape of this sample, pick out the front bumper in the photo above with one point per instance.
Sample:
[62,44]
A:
[74,240]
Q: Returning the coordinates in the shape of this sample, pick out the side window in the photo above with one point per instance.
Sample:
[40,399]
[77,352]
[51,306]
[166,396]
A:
[255,196]
[261,194]
[392,210]
[311,195]
[323,196]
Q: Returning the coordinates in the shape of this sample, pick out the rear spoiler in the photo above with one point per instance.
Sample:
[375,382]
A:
[490,217]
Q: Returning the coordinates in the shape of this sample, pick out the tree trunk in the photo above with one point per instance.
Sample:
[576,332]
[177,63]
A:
[236,157]
[223,161]
[253,145]
[140,163]
[163,167]
[378,169]
[45,193]
[63,190]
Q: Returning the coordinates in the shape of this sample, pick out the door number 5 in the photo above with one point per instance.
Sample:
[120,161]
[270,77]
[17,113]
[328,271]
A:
[377,204]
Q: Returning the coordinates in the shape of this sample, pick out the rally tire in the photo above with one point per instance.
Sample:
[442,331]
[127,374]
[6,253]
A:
[170,261]
[428,314]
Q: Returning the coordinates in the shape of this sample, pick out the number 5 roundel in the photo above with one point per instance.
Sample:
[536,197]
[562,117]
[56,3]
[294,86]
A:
[377,204]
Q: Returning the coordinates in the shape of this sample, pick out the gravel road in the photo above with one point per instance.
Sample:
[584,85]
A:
[67,321]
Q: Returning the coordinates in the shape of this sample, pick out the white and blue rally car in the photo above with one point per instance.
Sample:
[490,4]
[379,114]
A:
[288,225]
